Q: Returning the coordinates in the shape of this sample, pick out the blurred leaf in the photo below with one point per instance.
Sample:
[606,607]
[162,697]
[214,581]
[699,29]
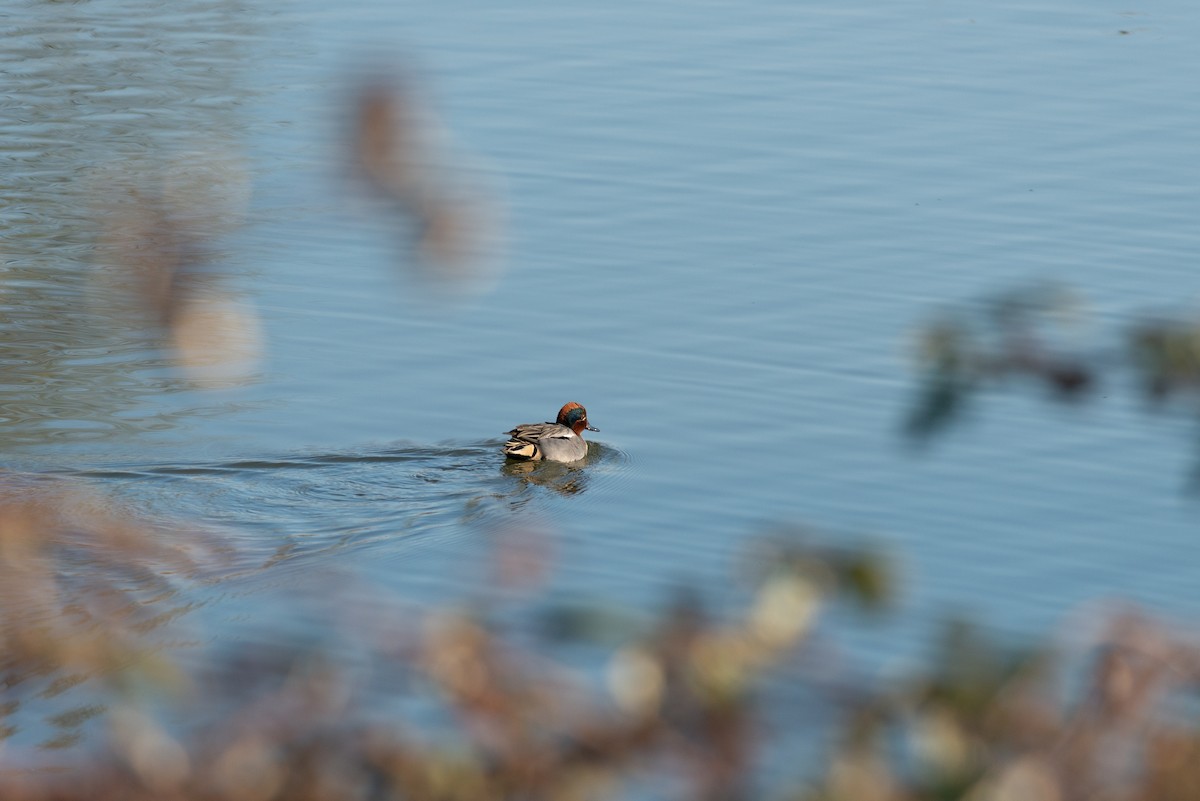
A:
[870,577]
[594,623]
[941,402]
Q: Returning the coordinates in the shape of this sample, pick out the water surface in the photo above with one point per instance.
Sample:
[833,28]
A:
[722,223]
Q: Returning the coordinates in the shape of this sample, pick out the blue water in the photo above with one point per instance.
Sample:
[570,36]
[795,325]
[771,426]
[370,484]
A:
[722,226]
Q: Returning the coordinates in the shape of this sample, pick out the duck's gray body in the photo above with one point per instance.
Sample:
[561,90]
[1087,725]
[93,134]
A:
[549,441]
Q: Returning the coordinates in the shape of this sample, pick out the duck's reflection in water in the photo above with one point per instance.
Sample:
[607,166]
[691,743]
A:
[566,478]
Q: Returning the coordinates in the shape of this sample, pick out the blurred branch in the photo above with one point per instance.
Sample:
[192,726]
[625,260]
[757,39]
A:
[1020,336]
[431,191]
[1013,336]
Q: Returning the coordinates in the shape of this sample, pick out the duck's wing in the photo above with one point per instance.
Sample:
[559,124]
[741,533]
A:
[532,432]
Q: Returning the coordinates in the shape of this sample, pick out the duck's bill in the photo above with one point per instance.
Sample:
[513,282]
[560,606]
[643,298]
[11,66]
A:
[592,428]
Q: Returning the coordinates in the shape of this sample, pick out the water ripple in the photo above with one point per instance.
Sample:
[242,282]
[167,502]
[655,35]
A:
[388,499]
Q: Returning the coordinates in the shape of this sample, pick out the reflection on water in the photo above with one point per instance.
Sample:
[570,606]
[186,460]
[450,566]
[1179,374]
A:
[102,102]
[567,478]
[129,135]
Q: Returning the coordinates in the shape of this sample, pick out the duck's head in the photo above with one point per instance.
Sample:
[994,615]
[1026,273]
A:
[574,417]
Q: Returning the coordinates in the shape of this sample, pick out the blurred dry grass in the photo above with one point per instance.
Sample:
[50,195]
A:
[82,581]
[679,709]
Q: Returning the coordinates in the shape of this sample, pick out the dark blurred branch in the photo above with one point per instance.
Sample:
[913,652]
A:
[1019,337]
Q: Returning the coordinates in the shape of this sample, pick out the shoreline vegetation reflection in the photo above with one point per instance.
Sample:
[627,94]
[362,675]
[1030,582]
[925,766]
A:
[120,132]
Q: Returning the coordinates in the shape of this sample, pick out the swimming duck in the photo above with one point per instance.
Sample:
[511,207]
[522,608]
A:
[560,441]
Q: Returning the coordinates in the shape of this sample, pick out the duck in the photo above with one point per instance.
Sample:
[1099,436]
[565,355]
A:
[560,441]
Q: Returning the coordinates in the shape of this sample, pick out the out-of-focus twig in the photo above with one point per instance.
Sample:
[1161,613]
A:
[405,159]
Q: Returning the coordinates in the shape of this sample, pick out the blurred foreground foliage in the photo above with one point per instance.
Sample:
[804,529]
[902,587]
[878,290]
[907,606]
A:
[1026,336]
[676,704]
